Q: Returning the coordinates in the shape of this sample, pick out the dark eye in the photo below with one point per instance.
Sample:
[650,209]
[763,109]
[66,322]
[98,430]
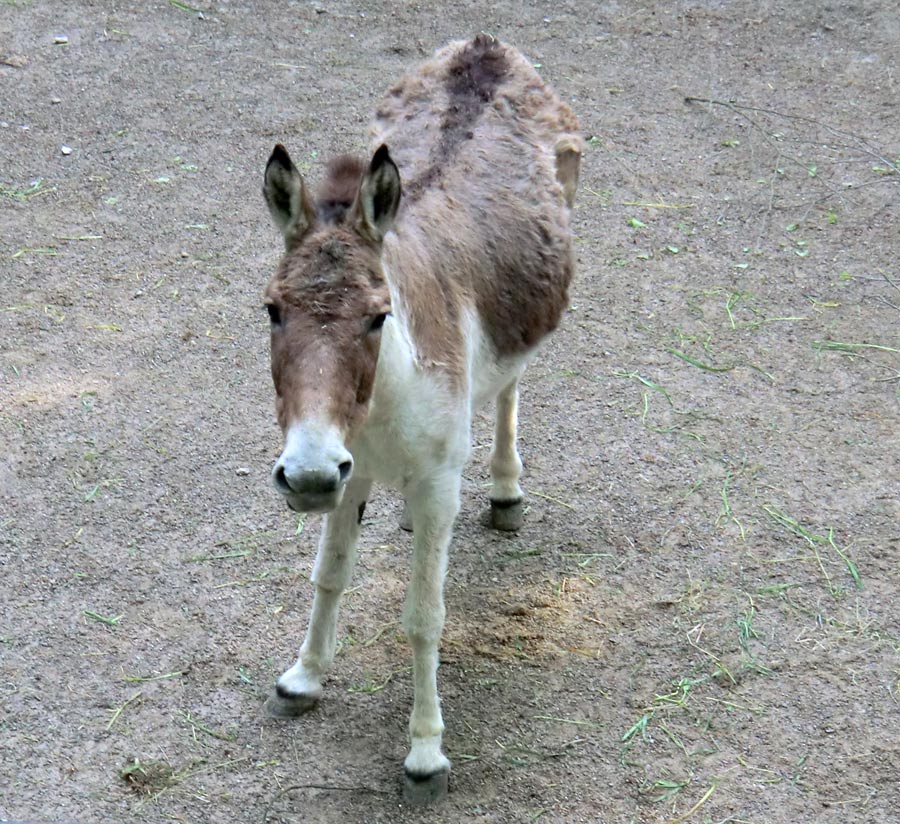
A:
[377,322]
[274,314]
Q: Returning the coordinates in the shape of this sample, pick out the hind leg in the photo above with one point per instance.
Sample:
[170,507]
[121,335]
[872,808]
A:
[506,466]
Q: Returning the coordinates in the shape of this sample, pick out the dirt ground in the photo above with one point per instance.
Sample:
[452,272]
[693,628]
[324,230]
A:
[698,622]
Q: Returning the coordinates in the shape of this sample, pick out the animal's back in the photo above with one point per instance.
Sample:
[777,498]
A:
[477,136]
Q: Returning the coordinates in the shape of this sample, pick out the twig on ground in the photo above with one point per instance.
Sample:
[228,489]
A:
[741,109]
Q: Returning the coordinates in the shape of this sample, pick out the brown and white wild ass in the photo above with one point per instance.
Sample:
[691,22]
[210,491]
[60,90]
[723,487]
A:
[394,316]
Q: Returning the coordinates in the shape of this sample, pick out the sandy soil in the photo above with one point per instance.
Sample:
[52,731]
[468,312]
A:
[698,622]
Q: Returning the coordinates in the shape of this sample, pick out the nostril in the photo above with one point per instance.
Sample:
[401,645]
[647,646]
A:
[281,481]
[344,470]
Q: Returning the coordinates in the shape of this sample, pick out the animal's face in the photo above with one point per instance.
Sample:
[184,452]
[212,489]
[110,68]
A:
[327,304]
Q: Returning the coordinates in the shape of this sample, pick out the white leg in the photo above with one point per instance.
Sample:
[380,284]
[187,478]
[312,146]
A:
[433,507]
[300,687]
[506,466]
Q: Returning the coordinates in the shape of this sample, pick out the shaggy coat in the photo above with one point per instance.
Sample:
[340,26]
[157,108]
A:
[414,288]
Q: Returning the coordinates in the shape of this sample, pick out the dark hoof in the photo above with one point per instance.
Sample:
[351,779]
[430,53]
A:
[406,519]
[507,516]
[424,790]
[283,704]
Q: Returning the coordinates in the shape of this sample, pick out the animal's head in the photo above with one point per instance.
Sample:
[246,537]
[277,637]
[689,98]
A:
[327,304]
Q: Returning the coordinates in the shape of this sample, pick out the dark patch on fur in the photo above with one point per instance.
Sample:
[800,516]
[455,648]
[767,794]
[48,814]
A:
[360,512]
[336,193]
[472,80]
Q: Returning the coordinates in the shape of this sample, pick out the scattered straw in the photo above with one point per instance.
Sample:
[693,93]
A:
[117,711]
[697,806]
[551,498]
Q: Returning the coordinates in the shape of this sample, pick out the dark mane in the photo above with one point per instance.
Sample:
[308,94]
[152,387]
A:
[337,191]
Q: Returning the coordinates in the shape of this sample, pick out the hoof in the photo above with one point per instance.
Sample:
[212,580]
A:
[283,704]
[507,516]
[406,519]
[424,790]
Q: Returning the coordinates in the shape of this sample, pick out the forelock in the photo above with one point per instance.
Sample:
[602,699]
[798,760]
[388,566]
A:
[332,267]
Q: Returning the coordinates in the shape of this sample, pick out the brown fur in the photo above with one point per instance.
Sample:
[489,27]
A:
[336,193]
[488,221]
[473,75]
[489,157]
[327,289]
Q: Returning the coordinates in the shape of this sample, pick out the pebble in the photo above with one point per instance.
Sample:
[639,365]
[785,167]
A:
[242,471]
[66,150]
[61,40]
[55,100]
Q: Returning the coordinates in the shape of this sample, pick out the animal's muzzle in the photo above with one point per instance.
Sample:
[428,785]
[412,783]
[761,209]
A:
[313,469]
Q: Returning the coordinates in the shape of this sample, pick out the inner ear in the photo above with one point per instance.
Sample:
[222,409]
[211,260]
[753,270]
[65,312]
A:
[379,196]
[286,196]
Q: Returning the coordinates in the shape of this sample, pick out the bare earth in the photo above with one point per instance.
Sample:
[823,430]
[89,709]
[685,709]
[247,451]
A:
[699,621]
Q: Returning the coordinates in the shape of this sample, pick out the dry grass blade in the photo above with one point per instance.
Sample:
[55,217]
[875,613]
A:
[102,619]
[559,720]
[699,364]
[692,810]
[143,679]
[852,348]
[199,726]
[815,541]
[550,498]
[117,711]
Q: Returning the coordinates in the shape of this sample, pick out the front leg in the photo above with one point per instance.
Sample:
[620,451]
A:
[300,688]
[433,506]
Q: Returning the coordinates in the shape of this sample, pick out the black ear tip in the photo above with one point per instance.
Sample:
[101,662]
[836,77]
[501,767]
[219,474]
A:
[381,156]
[280,156]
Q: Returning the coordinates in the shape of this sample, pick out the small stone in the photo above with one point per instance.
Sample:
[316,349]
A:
[66,150]
[55,100]
[61,40]
[242,471]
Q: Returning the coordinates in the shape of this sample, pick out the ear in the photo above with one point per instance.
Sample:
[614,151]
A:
[286,196]
[379,197]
